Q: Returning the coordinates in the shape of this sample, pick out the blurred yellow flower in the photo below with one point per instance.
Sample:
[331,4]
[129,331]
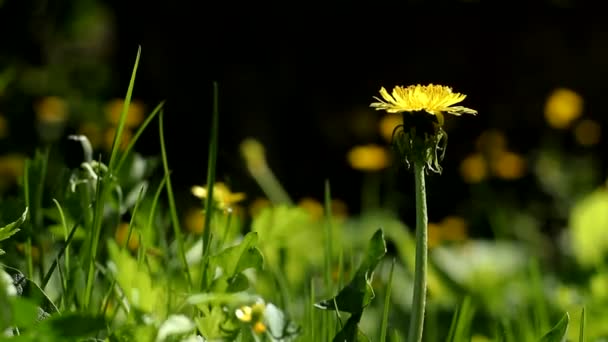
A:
[369,158]
[313,207]
[434,235]
[563,106]
[587,132]
[473,168]
[257,205]
[252,314]
[109,138]
[509,165]
[51,109]
[491,143]
[35,251]
[433,99]
[3,127]
[11,168]
[121,233]
[453,228]
[221,194]
[339,209]
[93,132]
[194,221]
[135,115]
[388,124]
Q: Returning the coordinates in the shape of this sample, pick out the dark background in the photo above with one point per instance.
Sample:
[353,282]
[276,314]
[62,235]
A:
[300,78]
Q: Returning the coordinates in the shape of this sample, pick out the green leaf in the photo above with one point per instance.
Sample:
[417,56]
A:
[350,331]
[359,292]
[72,325]
[12,228]
[558,332]
[234,260]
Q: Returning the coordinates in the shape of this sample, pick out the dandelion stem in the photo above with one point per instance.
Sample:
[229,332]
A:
[419,300]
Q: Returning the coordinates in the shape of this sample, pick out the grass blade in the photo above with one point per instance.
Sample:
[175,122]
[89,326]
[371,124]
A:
[172,208]
[212,160]
[387,303]
[581,334]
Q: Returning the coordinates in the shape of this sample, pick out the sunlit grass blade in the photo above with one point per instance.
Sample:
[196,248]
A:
[581,333]
[541,315]
[212,160]
[172,207]
[103,187]
[123,115]
[66,232]
[139,132]
[462,320]
[153,209]
[387,303]
[133,215]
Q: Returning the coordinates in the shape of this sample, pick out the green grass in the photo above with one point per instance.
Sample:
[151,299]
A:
[283,276]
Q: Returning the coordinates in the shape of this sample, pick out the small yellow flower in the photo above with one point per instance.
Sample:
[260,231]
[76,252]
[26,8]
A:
[563,107]
[587,132]
[473,168]
[51,109]
[257,205]
[433,99]
[313,207]
[135,115]
[93,132]
[368,158]
[509,165]
[491,143]
[434,234]
[453,228]
[221,194]
[194,221]
[122,231]
[339,209]
[244,313]
[35,251]
[259,328]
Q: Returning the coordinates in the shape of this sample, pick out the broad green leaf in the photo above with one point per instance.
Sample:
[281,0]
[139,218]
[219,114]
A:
[217,324]
[234,260]
[359,292]
[72,325]
[558,332]
[12,228]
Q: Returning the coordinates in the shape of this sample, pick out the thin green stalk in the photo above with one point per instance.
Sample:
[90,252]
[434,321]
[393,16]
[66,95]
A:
[172,207]
[419,301]
[28,243]
[206,236]
[329,253]
[387,303]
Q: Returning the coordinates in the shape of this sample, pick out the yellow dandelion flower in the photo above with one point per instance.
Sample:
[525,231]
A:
[563,106]
[433,99]
[11,168]
[509,165]
[587,132]
[312,206]
[122,231]
[51,109]
[135,115]
[221,194]
[473,168]
[369,158]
